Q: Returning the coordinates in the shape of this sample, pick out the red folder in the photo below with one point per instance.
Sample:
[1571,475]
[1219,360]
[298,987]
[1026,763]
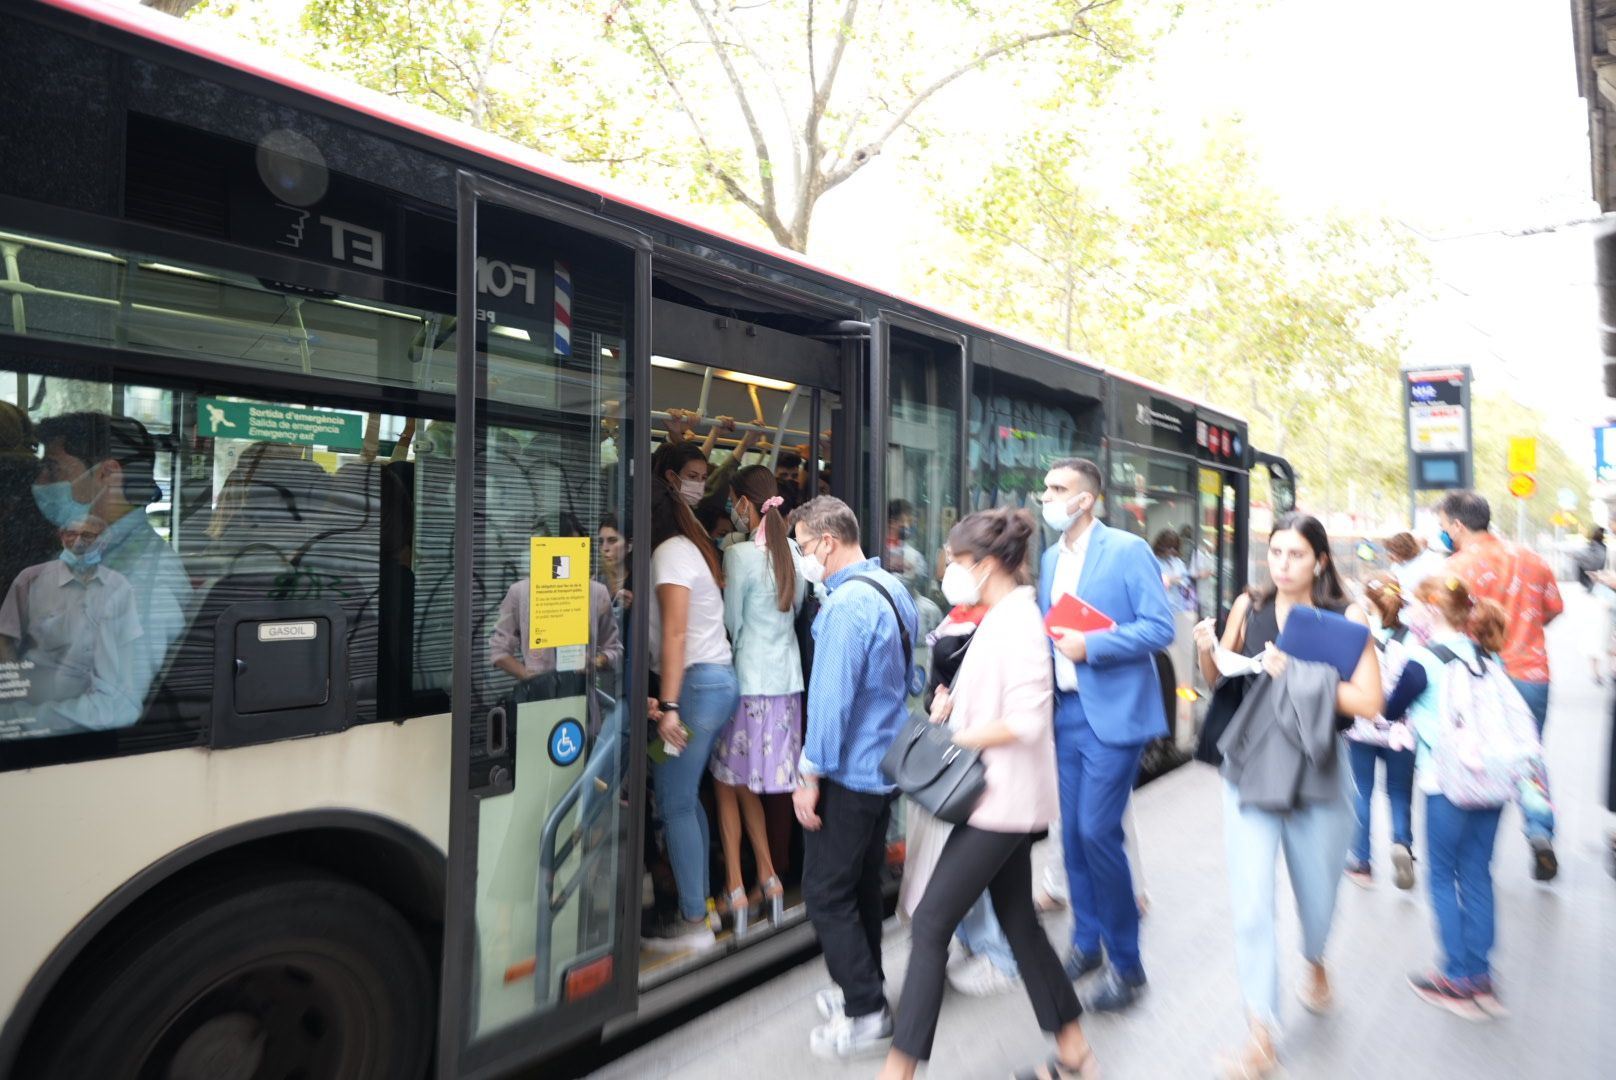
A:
[1070,613]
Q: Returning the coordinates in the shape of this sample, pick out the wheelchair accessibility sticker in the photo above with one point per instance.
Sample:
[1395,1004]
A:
[566,742]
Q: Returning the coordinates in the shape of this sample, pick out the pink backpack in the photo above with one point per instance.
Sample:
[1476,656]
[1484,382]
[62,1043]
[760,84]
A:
[1487,742]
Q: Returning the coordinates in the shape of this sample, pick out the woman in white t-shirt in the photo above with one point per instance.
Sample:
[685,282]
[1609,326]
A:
[691,656]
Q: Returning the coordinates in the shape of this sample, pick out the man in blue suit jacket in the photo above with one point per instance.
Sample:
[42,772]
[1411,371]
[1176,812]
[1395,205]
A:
[1108,705]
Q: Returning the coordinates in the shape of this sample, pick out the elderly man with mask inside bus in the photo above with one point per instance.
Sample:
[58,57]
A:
[857,693]
[1108,705]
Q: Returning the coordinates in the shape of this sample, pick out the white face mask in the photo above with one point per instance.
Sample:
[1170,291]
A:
[1059,518]
[813,570]
[961,587]
[693,491]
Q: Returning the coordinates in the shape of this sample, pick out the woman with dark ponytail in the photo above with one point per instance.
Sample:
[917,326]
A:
[756,754]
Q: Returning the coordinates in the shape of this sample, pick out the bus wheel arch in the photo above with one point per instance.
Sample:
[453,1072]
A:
[393,863]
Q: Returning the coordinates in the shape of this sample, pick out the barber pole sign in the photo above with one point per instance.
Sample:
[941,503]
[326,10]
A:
[563,309]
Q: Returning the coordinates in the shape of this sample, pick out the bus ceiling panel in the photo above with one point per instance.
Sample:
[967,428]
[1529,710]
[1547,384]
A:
[700,337]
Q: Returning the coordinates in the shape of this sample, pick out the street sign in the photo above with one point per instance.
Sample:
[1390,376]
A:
[1437,418]
[1605,453]
[1522,455]
[1522,486]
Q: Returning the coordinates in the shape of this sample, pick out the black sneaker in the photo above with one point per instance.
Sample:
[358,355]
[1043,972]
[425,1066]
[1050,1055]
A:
[1079,964]
[1544,865]
[1435,989]
[1115,991]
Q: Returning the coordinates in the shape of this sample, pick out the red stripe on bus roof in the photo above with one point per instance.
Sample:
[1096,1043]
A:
[167,30]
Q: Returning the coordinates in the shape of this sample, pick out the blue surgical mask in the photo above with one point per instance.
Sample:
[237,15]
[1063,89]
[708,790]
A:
[57,503]
[80,561]
[1445,540]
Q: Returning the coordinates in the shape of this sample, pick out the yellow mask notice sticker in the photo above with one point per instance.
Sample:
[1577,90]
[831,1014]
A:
[558,591]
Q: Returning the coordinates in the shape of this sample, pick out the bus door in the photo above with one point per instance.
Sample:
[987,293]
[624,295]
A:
[548,752]
[1271,492]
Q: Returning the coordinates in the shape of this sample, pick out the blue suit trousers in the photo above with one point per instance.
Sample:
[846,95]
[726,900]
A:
[1095,783]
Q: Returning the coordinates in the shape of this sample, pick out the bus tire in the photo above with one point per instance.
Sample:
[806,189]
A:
[299,973]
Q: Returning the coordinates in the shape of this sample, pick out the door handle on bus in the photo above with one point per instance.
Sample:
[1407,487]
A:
[496,739]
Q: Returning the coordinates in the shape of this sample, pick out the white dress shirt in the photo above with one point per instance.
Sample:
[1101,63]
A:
[1068,572]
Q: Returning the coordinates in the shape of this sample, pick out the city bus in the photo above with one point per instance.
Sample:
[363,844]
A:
[301,392]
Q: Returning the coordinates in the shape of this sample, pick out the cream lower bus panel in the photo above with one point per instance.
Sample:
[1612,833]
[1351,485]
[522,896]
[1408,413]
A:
[77,832]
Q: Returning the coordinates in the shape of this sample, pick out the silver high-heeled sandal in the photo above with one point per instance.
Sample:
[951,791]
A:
[740,911]
[775,894]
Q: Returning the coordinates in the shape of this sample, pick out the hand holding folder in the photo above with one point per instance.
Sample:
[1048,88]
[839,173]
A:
[1071,614]
[1323,637]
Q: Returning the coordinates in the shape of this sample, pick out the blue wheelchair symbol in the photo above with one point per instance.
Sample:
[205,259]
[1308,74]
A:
[566,742]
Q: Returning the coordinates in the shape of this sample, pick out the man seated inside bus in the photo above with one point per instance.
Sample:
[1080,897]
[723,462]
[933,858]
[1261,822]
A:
[102,467]
[69,625]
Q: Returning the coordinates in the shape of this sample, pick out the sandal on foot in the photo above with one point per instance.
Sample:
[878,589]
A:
[775,895]
[1055,1069]
[1245,1067]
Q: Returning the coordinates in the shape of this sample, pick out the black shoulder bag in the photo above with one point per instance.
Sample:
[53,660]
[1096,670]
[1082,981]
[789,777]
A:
[1227,697]
[944,778]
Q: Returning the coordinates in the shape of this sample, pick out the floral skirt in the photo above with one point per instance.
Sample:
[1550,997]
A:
[758,748]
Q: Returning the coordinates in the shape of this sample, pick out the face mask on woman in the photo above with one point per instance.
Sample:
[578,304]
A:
[961,587]
[693,491]
[737,516]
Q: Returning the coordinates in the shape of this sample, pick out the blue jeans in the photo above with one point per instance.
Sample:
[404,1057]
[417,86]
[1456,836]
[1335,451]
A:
[1315,840]
[707,700]
[1459,848]
[1538,825]
[1399,792]
[980,932]
[1095,782]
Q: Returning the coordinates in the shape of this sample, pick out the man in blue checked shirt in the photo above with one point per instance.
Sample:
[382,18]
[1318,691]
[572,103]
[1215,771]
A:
[856,707]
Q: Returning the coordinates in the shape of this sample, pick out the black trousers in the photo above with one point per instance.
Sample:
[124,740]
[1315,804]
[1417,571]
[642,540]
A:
[841,885]
[974,860]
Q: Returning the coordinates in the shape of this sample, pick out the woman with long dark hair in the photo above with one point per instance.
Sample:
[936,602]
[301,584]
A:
[757,751]
[691,657]
[1313,834]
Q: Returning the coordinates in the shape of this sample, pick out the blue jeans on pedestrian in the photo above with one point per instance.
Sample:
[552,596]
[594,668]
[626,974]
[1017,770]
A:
[1096,780]
[1538,824]
[1399,792]
[980,932]
[1314,837]
[1459,851]
[707,700]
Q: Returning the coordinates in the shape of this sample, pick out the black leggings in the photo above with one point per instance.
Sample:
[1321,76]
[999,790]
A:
[974,860]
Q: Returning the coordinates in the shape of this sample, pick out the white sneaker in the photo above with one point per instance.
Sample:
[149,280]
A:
[1053,886]
[830,1001]
[843,1038]
[958,953]
[683,936]
[981,977]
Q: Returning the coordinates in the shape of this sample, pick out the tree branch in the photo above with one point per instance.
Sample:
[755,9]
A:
[866,153]
[760,145]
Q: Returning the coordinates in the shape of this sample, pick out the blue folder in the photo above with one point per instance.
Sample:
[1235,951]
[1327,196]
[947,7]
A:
[1323,637]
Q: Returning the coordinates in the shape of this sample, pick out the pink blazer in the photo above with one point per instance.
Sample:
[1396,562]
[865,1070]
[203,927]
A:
[1006,675]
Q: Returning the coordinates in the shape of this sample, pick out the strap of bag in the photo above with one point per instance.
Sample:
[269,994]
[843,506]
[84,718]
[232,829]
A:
[1448,656]
[903,631]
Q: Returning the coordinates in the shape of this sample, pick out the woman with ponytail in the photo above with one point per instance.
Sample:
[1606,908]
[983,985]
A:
[1460,630]
[756,754]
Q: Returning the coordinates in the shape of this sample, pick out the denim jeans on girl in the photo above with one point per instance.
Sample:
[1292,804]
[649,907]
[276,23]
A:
[1399,792]
[981,933]
[1459,850]
[1315,839]
[707,700]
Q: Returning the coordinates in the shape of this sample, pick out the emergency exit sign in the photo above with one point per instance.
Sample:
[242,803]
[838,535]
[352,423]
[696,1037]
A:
[216,419]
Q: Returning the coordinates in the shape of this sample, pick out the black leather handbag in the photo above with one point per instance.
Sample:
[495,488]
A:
[946,779]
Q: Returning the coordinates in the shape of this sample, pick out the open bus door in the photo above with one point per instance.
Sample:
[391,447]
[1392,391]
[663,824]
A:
[541,929]
[1270,490]
[1281,480]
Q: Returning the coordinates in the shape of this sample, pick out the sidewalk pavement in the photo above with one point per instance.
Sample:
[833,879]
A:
[1556,957]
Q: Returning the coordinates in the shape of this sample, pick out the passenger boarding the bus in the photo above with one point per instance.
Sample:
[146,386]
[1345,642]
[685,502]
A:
[103,466]
[857,703]
[69,626]
[537,672]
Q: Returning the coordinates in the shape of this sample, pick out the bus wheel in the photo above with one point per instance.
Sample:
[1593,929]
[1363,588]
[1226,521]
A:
[297,974]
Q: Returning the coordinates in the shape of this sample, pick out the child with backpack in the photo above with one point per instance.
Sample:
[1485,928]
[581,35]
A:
[1476,746]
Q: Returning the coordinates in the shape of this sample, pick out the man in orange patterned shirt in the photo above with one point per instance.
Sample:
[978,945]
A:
[1522,584]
